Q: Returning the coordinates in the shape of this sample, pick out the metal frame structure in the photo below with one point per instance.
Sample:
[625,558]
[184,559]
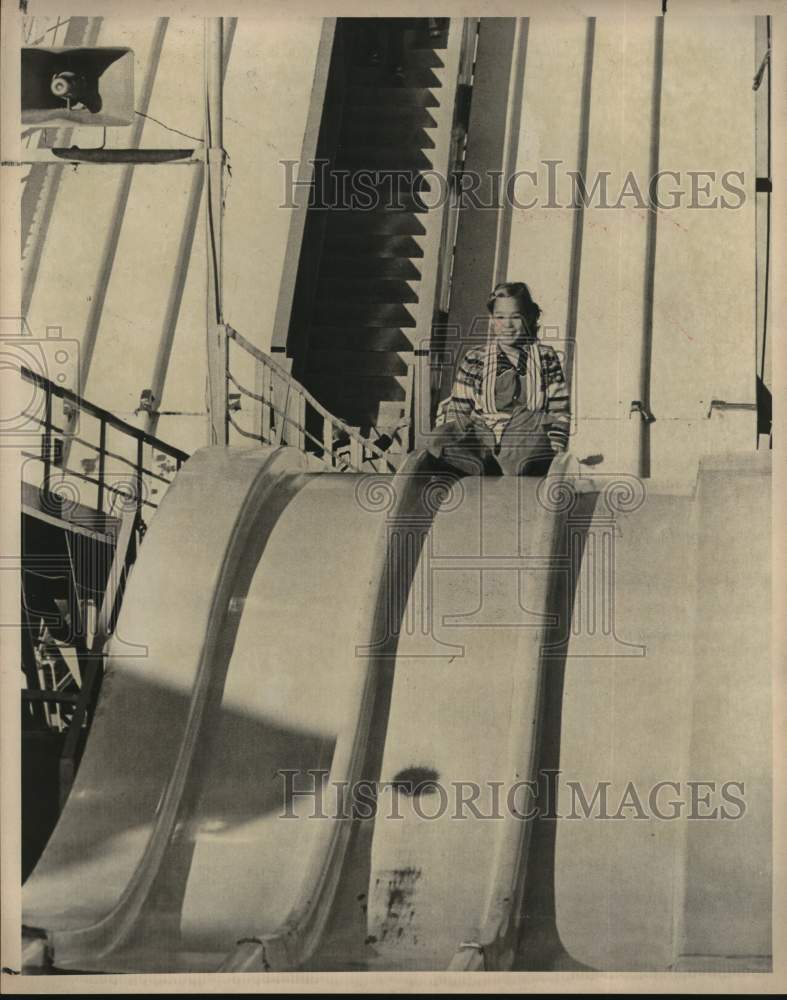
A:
[341,447]
[123,531]
[48,163]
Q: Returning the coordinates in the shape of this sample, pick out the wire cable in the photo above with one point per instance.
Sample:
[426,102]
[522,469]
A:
[168,127]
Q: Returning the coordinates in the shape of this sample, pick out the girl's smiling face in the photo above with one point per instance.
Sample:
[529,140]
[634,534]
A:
[508,323]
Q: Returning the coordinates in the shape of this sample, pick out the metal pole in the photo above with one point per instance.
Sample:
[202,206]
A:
[175,299]
[214,170]
[643,416]
[48,442]
[102,447]
[575,264]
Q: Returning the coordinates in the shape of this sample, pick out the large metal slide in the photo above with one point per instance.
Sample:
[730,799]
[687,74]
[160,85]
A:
[331,699]
[328,695]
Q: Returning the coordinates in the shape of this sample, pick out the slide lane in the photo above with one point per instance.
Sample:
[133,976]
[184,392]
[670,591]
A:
[257,675]
[279,664]
[165,664]
[448,857]
[678,884]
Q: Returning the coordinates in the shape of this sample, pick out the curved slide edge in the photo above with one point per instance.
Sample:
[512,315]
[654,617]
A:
[407,498]
[561,493]
[396,499]
[445,885]
[191,551]
[681,757]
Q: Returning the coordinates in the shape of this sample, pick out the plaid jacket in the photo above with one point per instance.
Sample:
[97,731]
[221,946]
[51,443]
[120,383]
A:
[467,397]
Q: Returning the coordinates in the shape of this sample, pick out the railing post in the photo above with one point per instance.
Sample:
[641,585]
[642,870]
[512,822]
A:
[102,446]
[300,421]
[138,481]
[265,392]
[356,454]
[47,439]
[327,440]
[422,394]
[214,176]
[284,434]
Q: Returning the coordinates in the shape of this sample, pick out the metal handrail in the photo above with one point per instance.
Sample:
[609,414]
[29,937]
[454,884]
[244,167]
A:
[106,420]
[109,418]
[93,447]
[103,486]
[363,452]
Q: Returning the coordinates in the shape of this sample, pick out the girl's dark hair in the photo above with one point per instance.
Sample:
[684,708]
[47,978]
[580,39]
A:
[517,290]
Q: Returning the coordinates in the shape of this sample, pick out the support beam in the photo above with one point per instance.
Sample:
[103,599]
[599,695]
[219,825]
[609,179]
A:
[642,415]
[175,299]
[214,177]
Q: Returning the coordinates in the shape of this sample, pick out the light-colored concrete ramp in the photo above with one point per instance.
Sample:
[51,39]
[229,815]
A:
[243,666]
[672,860]
[322,723]
[448,859]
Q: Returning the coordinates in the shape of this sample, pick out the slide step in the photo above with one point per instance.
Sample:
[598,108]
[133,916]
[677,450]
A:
[364,289]
[392,116]
[387,222]
[386,157]
[357,388]
[370,267]
[350,244]
[404,97]
[397,134]
[338,362]
[364,313]
[414,77]
[359,338]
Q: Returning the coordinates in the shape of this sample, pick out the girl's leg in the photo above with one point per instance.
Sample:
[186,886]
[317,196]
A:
[467,448]
[525,449]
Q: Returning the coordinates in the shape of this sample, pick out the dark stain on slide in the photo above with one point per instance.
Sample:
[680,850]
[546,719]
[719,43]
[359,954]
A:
[400,902]
[415,781]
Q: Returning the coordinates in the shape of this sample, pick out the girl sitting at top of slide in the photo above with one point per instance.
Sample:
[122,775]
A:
[508,411]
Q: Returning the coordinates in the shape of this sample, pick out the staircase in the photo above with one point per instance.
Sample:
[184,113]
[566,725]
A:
[371,290]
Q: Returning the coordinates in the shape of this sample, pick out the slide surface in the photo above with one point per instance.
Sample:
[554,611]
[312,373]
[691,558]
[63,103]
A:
[287,635]
[675,865]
